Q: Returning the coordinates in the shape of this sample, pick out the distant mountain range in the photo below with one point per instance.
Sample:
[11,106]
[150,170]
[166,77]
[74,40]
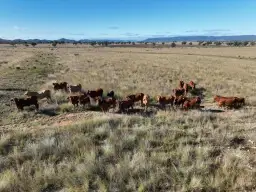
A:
[158,39]
[203,38]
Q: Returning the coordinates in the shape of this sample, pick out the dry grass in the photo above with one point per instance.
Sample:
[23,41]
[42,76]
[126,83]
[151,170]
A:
[67,149]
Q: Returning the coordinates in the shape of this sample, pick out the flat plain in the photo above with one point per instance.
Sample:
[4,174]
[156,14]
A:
[61,148]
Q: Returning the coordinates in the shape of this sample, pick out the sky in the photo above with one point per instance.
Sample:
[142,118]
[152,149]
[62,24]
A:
[125,19]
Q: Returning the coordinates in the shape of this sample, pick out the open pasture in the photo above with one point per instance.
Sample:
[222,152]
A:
[61,148]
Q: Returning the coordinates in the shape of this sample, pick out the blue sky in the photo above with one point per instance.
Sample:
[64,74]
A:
[126,19]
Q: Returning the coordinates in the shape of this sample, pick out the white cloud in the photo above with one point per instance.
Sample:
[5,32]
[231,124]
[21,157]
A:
[17,28]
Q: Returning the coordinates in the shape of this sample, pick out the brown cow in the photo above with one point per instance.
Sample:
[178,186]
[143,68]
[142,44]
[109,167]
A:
[84,99]
[60,86]
[125,104]
[178,92]
[228,102]
[21,103]
[95,93]
[74,99]
[231,101]
[179,101]
[192,103]
[165,100]
[106,103]
[136,97]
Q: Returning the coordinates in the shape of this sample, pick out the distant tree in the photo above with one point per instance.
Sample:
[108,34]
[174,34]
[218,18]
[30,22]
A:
[237,43]
[183,42]
[200,42]
[129,42]
[93,43]
[208,42]
[105,43]
[217,43]
[173,44]
[252,43]
[54,44]
[163,43]
[245,43]
[154,44]
[33,44]
[229,43]
[146,43]
[190,43]
[13,44]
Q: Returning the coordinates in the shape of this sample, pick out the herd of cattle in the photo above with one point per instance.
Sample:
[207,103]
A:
[78,96]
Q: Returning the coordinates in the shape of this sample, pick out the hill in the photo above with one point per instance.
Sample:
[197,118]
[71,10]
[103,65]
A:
[203,38]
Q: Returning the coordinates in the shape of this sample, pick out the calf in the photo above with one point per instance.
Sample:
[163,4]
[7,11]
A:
[192,103]
[106,103]
[84,99]
[180,100]
[95,93]
[125,104]
[136,97]
[75,88]
[39,95]
[163,100]
[21,103]
[74,99]
[60,86]
[111,94]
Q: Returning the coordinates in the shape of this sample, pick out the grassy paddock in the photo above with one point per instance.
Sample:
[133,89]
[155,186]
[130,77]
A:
[65,149]
[172,151]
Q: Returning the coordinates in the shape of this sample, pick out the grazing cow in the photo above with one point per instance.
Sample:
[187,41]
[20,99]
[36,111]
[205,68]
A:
[106,103]
[95,93]
[40,94]
[60,86]
[75,88]
[228,102]
[231,101]
[74,99]
[163,100]
[217,98]
[179,101]
[125,104]
[145,101]
[136,97]
[83,99]
[111,94]
[21,103]
[192,103]
[178,92]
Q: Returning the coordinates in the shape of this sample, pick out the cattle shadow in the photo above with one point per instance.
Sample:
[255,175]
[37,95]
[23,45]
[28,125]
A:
[212,110]
[198,91]
[137,111]
[48,112]
[12,89]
